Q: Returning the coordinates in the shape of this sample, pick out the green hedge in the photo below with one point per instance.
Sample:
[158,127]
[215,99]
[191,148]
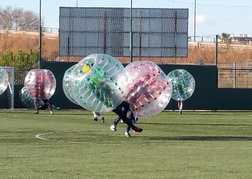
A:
[21,60]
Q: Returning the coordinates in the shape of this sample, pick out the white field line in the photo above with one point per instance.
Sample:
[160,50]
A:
[39,136]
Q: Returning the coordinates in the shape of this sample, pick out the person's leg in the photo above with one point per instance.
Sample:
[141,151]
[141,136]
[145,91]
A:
[54,106]
[57,107]
[113,126]
[116,121]
[131,116]
[126,120]
[49,106]
[127,133]
[36,106]
[127,130]
[136,119]
[101,117]
[95,115]
[180,106]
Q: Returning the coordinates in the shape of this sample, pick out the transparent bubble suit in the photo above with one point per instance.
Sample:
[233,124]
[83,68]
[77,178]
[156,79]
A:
[40,83]
[183,84]
[99,82]
[149,88]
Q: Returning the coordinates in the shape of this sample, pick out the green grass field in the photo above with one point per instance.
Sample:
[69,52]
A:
[69,144]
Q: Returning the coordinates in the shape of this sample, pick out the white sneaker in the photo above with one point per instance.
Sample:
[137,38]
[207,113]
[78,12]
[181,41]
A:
[127,134]
[51,112]
[113,128]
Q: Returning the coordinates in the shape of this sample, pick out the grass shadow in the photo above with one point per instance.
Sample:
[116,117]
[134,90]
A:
[197,124]
[203,138]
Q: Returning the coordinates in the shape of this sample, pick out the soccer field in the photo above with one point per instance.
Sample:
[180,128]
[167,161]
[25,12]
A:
[69,144]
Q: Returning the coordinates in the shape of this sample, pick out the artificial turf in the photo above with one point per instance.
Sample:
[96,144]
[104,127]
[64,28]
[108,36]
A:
[70,144]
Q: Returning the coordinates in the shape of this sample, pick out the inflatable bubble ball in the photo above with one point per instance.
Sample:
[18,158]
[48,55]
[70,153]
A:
[149,88]
[26,100]
[67,84]
[3,80]
[183,84]
[40,83]
[99,82]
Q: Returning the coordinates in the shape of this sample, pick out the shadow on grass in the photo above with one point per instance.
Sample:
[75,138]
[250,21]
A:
[196,124]
[214,113]
[204,138]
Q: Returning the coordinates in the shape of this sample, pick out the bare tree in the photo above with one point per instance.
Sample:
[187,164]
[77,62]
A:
[18,19]
[5,18]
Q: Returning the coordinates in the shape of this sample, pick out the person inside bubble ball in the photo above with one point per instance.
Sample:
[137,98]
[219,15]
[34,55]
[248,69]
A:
[180,106]
[130,115]
[101,90]
[121,110]
[46,101]
[181,98]
[144,89]
[39,94]
[139,88]
[98,85]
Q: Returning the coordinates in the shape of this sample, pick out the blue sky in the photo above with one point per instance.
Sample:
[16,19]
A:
[213,17]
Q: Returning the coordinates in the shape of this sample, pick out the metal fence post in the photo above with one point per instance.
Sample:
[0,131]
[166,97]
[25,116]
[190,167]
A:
[216,50]
[234,75]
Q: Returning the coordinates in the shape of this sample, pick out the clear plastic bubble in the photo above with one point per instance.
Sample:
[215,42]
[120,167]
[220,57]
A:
[183,84]
[149,88]
[26,100]
[40,83]
[99,82]
[3,80]
[67,85]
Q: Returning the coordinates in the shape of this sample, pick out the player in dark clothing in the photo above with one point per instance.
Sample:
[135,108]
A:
[122,110]
[129,115]
[44,106]
[40,93]
[46,101]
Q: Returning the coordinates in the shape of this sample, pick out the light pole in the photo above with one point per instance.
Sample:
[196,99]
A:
[131,35]
[40,36]
[77,4]
[194,22]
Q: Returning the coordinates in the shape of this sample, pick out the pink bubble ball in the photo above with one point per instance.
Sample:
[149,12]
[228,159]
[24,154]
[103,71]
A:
[40,84]
[150,89]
